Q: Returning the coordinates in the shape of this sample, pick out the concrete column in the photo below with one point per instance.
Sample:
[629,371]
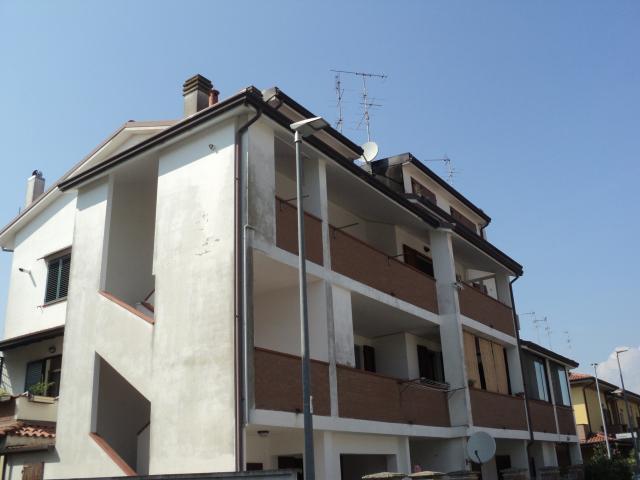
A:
[403,458]
[575,454]
[502,288]
[451,327]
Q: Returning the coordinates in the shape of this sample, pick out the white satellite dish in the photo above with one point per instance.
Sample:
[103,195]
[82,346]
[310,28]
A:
[481,447]
[369,151]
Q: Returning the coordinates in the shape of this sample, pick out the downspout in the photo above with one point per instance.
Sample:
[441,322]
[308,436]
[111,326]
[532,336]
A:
[240,324]
[526,397]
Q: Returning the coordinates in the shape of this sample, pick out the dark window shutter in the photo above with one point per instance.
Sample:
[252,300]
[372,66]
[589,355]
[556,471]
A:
[52,281]
[35,374]
[369,354]
[65,269]
[58,278]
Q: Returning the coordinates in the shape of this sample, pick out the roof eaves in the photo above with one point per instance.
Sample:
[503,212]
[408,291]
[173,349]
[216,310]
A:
[54,186]
[534,347]
[32,337]
[409,157]
[475,239]
[307,113]
[172,131]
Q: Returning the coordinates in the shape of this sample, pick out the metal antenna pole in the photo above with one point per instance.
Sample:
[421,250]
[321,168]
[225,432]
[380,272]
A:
[604,422]
[631,422]
[366,104]
[308,461]
[339,93]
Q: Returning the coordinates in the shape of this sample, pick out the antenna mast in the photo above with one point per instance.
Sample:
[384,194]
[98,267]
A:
[451,171]
[339,94]
[366,103]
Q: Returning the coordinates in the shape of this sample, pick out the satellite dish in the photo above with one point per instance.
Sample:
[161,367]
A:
[369,151]
[481,447]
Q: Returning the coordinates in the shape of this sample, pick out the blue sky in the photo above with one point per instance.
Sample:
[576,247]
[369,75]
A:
[536,103]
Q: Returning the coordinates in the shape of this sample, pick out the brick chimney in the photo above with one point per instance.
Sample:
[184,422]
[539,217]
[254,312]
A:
[198,93]
[35,187]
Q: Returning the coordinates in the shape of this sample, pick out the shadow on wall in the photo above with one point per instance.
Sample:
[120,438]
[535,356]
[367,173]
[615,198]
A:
[122,417]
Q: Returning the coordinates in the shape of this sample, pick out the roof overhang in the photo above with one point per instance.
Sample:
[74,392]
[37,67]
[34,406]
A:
[551,355]
[28,339]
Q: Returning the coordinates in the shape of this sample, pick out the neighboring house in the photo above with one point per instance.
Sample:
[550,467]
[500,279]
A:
[589,418]
[166,261]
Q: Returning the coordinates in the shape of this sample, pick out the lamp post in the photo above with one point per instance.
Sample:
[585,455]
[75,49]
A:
[626,403]
[604,422]
[303,129]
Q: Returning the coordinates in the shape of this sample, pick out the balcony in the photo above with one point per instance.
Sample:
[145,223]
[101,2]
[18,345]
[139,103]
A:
[287,231]
[357,260]
[369,396]
[496,410]
[30,408]
[542,416]
[566,422]
[487,310]
[278,384]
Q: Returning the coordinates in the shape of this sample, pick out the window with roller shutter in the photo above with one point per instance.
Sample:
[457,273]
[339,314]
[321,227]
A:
[58,278]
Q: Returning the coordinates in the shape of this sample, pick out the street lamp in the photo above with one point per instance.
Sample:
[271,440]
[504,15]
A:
[604,422]
[634,434]
[303,129]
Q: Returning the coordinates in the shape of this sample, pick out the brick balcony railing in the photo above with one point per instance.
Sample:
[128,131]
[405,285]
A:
[542,417]
[487,310]
[370,396]
[278,384]
[497,410]
[566,421]
[362,262]
[356,259]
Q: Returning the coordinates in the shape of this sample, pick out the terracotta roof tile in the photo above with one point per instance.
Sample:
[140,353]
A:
[597,438]
[579,376]
[40,431]
[22,429]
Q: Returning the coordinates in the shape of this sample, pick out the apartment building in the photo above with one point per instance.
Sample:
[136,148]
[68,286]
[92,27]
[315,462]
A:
[589,414]
[153,310]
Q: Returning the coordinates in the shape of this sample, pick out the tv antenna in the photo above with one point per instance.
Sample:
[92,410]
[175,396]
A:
[568,340]
[366,102]
[537,323]
[339,95]
[451,171]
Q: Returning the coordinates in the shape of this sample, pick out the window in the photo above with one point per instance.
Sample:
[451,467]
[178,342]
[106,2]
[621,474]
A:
[486,364]
[58,278]
[430,364]
[365,357]
[561,386]
[43,376]
[536,377]
[464,220]
[422,191]
[417,260]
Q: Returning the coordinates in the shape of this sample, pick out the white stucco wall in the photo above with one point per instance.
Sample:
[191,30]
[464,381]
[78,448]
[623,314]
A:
[277,321]
[193,399]
[50,231]
[79,455]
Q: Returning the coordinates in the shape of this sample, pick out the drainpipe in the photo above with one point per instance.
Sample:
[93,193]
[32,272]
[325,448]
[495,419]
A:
[526,397]
[240,324]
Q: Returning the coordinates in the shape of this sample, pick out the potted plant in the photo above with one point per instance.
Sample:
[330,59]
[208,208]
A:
[38,392]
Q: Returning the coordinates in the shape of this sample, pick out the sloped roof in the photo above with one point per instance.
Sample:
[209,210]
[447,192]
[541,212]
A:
[25,429]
